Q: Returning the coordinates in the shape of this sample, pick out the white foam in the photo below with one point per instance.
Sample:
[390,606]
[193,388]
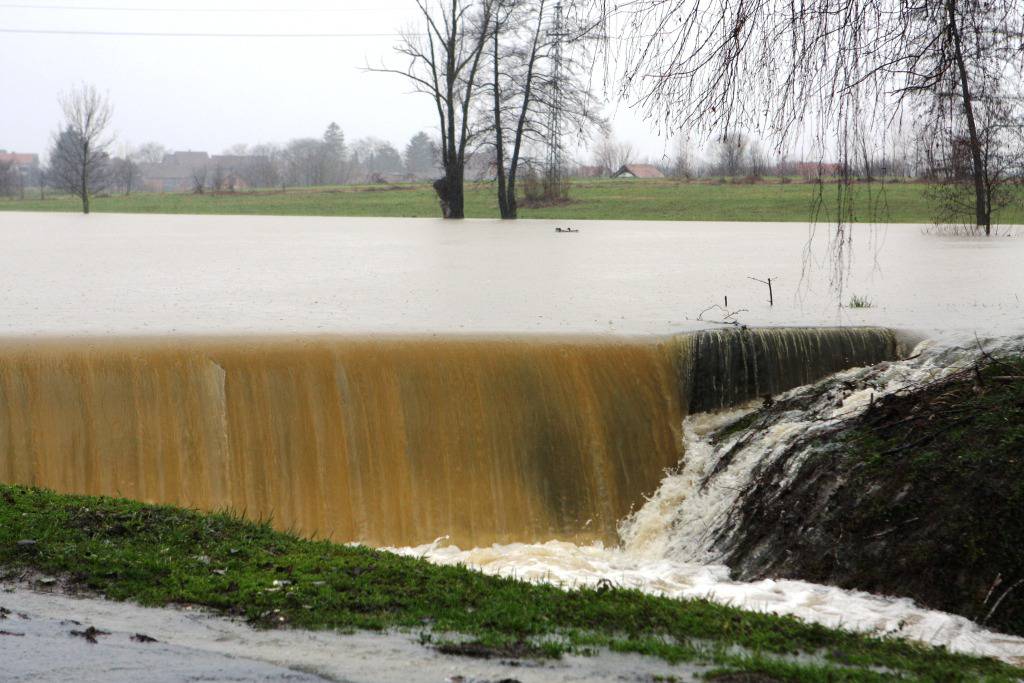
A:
[667,544]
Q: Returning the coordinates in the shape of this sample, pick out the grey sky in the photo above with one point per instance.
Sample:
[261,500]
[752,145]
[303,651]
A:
[208,93]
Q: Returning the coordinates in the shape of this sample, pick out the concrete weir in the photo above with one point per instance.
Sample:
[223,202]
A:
[391,440]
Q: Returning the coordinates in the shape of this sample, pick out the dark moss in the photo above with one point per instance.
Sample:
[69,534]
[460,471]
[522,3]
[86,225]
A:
[921,496]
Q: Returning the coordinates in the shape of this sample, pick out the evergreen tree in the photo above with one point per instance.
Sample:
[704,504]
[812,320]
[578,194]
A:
[421,156]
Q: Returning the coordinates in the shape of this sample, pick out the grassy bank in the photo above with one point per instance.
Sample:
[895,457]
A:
[162,555]
[920,496]
[591,199]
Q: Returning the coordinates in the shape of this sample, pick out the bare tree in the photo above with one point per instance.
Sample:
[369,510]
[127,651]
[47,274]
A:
[444,64]
[8,178]
[954,184]
[124,174]
[536,73]
[757,160]
[681,165]
[149,153]
[375,158]
[611,155]
[78,159]
[772,65]
[199,179]
[306,162]
[730,153]
[265,166]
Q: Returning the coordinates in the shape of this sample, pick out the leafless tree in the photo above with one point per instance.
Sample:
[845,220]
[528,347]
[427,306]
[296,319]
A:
[306,162]
[952,192]
[149,153]
[374,159]
[536,73]
[265,166]
[730,151]
[757,160]
[199,174]
[42,177]
[124,173]
[79,156]
[611,155]
[771,65]
[220,178]
[444,63]
[681,164]
[8,179]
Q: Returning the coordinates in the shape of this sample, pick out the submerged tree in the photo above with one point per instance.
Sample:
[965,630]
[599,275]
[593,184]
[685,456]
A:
[79,158]
[772,65]
[538,84]
[950,153]
[445,59]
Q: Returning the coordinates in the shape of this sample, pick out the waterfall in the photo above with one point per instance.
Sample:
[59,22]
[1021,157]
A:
[391,440]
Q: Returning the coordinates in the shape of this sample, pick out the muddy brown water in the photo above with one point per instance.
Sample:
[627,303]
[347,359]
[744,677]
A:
[390,440]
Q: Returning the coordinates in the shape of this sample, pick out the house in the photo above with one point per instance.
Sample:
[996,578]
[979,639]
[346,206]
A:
[25,163]
[638,171]
[183,171]
[177,172]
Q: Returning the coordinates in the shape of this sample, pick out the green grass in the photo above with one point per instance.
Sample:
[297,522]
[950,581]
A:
[590,199]
[162,555]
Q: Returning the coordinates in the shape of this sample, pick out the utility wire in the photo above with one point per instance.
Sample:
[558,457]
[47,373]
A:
[222,10]
[158,34]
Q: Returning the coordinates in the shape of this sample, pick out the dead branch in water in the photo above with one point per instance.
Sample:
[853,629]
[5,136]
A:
[726,319]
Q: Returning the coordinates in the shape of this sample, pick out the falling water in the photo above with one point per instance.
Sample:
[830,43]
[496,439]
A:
[390,440]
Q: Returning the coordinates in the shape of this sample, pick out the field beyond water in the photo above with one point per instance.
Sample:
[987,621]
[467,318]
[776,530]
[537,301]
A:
[589,200]
[162,555]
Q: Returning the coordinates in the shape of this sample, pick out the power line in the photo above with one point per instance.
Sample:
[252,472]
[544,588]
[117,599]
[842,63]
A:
[159,34]
[210,10]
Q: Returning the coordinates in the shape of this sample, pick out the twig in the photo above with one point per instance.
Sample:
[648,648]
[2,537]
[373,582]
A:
[1000,600]
[726,320]
[771,297]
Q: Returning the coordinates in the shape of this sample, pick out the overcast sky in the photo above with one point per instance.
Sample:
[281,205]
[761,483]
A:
[208,93]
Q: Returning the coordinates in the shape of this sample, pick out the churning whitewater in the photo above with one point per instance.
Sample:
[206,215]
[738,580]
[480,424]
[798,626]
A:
[670,546]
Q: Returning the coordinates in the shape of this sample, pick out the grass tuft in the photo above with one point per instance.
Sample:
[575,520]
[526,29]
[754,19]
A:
[857,301]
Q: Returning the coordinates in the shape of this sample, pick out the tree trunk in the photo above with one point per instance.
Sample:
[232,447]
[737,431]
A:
[85,178]
[982,210]
[513,205]
[450,193]
[499,136]
[456,193]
